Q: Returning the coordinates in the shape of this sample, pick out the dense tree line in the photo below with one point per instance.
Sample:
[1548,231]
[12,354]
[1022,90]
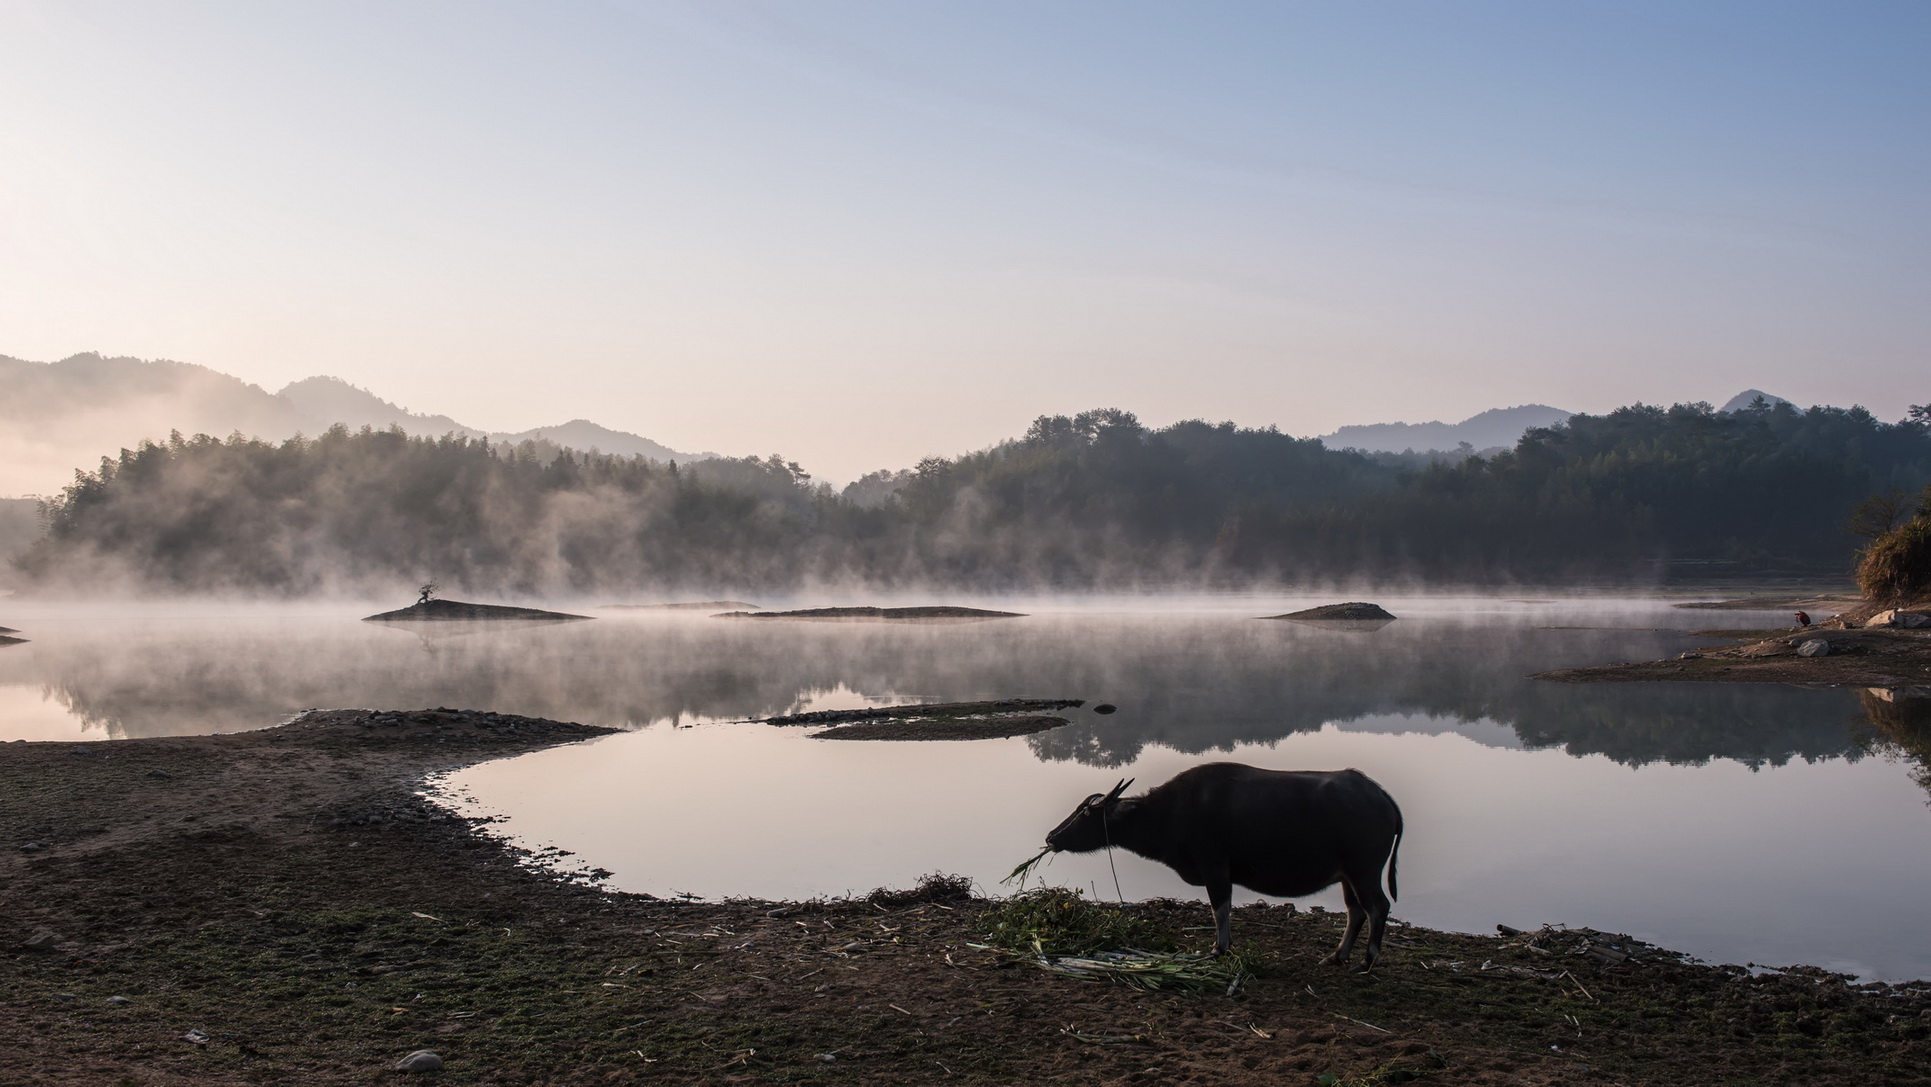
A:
[1636,493]
[352,511]
[1093,500]
[1763,488]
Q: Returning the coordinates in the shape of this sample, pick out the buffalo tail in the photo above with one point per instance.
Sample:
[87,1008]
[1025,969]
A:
[1392,854]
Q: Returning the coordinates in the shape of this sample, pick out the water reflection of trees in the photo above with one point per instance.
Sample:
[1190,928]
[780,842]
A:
[1899,727]
[1680,724]
[1192,683]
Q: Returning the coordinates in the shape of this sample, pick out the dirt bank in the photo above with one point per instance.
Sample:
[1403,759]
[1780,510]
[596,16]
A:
[279,907]
[1838,651]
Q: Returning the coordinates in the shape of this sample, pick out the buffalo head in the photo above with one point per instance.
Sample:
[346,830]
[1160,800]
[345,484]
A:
[1085,830]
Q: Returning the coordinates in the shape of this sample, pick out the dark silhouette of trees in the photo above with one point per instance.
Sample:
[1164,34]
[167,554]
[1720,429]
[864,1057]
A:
[1877,515]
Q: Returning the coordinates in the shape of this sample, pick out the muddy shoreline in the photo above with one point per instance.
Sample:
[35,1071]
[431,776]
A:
[283,907]
[1851,657]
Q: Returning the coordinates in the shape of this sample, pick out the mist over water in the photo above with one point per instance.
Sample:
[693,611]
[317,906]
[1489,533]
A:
[1203,675]
[1727,820]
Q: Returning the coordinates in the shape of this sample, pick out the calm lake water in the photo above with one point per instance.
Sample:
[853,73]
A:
[1740,823]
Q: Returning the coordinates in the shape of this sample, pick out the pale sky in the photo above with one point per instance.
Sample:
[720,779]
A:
[864,232]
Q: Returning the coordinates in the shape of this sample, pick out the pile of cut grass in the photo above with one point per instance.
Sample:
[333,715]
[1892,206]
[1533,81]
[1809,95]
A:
[1058,930]
[938,887]
[1060,921]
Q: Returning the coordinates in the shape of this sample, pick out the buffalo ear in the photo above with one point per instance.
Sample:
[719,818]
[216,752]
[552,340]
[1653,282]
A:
[1118,789]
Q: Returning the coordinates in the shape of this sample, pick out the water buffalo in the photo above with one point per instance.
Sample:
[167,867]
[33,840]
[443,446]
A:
[1278,832]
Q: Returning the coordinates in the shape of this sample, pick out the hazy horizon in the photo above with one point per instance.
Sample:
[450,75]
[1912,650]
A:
[85,407]
[860,234]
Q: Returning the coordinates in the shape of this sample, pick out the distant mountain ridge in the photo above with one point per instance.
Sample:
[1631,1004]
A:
[1494,428]
[336,400]
[1749,396]
[584,434]
[59,417]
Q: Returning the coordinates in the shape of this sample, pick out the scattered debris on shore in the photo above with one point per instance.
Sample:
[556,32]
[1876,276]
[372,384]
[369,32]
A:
[457,610]
[941,611]
[937,720]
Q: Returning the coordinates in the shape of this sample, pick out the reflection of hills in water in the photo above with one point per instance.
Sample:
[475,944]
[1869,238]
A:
[1191,683]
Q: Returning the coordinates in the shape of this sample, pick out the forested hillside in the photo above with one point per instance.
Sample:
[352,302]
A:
[1094,500]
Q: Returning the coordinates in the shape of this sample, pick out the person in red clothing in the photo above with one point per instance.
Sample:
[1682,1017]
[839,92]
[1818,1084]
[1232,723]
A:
[1803,618]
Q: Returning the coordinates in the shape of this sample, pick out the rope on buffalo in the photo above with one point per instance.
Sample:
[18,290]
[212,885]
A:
[1106,827]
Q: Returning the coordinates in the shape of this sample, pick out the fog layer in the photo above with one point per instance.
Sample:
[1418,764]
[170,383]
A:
[1192,682]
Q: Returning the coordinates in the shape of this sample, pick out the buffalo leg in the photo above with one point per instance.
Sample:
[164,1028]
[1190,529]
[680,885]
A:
[1220,894]
[1378,921]
[1375,910]
[1356,915]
